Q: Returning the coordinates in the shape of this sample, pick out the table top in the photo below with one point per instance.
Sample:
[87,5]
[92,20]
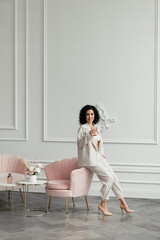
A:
[27,182]
[5,184]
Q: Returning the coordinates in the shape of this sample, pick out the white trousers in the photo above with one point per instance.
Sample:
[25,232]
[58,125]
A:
[108,178]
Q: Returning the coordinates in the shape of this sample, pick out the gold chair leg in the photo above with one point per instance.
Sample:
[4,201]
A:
[87,202]
[49,204]
[67,205]
[73,201]
[21,195]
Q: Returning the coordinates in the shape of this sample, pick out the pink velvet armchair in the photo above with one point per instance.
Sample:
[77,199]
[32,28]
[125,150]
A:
[14,165]
[66,179]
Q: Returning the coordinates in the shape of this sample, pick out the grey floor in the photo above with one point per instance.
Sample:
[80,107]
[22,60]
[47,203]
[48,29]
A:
[143,224]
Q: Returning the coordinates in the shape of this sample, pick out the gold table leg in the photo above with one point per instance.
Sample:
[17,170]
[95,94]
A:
[67,205]
[8,194]
[9,205]
[6,198]
[12,200]
[21,195]
[25,209]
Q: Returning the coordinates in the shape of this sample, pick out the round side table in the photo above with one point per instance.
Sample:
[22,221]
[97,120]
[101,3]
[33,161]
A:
[26,184]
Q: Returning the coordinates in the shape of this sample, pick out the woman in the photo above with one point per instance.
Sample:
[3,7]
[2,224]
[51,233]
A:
[91,155]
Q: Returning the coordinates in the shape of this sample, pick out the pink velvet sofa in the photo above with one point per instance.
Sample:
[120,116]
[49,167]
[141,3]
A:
[14,165]
[66,179]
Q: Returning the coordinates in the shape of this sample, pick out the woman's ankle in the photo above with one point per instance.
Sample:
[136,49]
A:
[103,203]
[122,201]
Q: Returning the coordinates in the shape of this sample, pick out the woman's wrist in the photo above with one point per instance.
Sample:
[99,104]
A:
[93,133]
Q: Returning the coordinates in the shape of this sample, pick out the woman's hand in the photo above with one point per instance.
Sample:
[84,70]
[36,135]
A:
[93,131]
[104,156]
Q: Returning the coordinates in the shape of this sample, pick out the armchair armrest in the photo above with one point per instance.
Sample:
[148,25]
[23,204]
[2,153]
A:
[80,181]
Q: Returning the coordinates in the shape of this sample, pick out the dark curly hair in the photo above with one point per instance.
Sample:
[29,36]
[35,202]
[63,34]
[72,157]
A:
[82,114]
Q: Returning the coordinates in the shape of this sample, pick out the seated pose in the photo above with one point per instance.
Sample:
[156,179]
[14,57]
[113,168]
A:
[91,155]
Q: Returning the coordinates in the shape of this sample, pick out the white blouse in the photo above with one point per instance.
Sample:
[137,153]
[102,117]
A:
[97,137]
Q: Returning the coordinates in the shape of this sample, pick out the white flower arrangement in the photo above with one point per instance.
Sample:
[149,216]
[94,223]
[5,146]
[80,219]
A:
[31,170]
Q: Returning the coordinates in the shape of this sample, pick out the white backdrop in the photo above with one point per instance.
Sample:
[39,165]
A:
[58,55]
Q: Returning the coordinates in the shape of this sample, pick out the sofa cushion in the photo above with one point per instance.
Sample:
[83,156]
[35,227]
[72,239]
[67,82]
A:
[59,184]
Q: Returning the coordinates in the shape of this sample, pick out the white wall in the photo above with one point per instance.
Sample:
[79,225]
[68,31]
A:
[58,55]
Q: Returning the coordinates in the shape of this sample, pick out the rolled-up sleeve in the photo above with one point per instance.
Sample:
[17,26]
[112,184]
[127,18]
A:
[83,138]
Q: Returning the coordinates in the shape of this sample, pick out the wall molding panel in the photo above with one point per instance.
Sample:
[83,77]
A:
[156,106]
[16,109]
[14,126]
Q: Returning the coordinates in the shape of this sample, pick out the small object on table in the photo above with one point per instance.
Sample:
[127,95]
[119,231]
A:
[33,178]
[9,178]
